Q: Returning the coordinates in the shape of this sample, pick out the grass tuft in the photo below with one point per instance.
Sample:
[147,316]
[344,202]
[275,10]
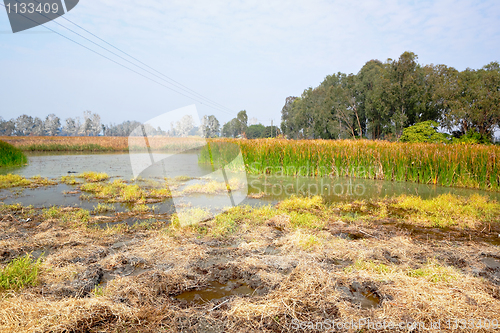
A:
[19,273]
[11,156]
[91,176]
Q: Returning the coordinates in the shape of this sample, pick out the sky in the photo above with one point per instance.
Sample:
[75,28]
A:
[243,55]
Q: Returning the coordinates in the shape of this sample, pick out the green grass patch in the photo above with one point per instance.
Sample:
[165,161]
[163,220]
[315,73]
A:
[19,273]
[141,209]
[434,272]
[11,156]
[301,204]
[450,210]
[10,180]
[69,180]
[446,210]
[77,216]
[91,176]
[306,220]
[103,208]
[369,266]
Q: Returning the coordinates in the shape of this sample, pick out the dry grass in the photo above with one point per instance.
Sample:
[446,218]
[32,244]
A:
[300,273]
[106,143]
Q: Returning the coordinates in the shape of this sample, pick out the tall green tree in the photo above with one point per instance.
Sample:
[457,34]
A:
[475,101]
[370,82]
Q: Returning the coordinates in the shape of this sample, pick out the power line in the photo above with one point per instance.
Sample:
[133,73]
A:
[139,61]
[207,101]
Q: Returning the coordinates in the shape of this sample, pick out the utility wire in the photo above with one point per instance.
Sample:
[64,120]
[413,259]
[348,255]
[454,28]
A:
[205,100]
[139,61]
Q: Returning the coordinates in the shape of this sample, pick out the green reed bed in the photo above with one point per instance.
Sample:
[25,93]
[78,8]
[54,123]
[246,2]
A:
[11,156]
[472,166]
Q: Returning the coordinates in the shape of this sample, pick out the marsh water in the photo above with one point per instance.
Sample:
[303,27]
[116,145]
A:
[262,189]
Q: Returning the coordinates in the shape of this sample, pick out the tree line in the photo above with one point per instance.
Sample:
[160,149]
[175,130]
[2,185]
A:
[384,98]
[90,125]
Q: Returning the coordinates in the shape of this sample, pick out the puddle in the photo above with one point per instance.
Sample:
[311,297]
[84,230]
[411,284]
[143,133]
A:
[272,250]
[40,253]
[364,295]
[368,299]
[216,291]
[348,236]
[491,263]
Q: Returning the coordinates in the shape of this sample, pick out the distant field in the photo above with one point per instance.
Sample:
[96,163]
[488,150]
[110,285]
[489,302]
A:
[99,143]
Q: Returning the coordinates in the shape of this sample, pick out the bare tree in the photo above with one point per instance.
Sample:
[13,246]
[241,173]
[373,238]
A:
[52,124]
[70,127]
[184,126]
[210,126]
[96,124]
[24,125]
[38,127]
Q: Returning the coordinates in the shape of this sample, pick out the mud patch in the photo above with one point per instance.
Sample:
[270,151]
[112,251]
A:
[489,234]
[363,295]
[216,291]
[349,236]
[83,284]
[491,263]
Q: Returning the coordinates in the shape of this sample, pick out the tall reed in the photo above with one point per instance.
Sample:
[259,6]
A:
[472,166]
[11,156]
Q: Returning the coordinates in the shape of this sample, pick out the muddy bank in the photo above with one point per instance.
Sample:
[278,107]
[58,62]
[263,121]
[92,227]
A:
[252,270]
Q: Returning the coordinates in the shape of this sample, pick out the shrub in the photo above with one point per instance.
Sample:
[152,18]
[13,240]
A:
[424,132]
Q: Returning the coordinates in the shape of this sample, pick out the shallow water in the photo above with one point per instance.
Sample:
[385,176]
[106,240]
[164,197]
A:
[216,291]
[261,189]
[55,165]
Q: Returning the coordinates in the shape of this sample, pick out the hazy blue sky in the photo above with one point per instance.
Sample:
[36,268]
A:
[242,54]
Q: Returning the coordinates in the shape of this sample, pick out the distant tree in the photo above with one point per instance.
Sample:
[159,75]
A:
[96,124]
[370,83]
[24,125]
[242,122]
[271,132]
[86,128]
[52,124]
[70,128]
[184,126]
[210,126]
[38,127]
[287,123]
[231,129]
[7,127]
[255,131]
[475,101]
